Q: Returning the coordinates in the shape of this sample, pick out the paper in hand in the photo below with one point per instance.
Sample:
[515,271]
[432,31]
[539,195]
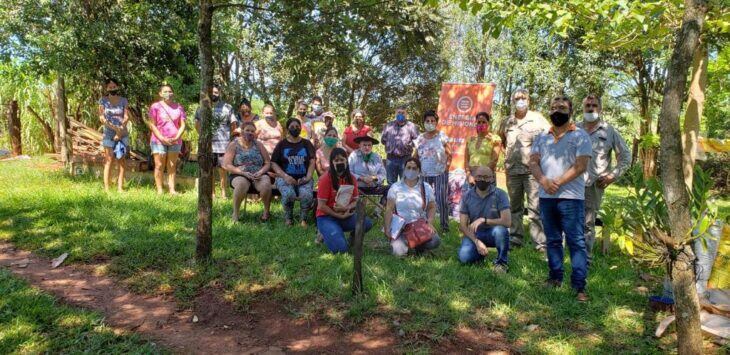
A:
[344,195]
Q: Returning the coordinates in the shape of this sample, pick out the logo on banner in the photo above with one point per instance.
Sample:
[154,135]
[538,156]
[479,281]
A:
[464,104]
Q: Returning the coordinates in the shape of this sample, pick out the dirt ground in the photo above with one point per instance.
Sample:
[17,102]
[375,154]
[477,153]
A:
[213,325]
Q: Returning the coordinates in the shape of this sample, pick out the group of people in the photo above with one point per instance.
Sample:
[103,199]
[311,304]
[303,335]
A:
[559,168]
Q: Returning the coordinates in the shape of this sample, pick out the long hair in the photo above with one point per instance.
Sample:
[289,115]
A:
[337,152]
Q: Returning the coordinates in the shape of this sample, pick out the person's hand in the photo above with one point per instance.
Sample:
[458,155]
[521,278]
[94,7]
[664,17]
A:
[304,180]
[249,175]
[290,180]
[340,209]
[470,179]
[549,185]
[481,248]
[606,180]
[475,225]
[257,175]
[367,180]
[168,141]
[346,214]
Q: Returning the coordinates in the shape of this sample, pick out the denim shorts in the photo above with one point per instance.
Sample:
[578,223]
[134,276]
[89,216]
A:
[159,148]
[110,142]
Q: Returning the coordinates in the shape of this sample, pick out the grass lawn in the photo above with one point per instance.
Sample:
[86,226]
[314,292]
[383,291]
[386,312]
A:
[148,242]
[31,322]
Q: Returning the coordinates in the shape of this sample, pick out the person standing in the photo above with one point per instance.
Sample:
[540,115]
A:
[167,124]
[601,172]
[559,159]
[434,153]
[245,114]
[293,161]
[223,125]
[269,130]
[357,128]
[114,115]
[398,137]
[518,133]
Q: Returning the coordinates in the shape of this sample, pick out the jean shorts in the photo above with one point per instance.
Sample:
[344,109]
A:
[110,142]
[158,148]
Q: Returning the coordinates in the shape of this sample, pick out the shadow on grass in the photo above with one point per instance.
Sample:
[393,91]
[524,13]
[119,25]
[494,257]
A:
[149,242]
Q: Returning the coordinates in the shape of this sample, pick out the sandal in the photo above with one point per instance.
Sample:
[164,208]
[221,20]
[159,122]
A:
[265,217]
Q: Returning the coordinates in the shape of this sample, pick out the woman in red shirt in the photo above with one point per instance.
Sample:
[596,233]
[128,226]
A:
[358,128]
[333,218]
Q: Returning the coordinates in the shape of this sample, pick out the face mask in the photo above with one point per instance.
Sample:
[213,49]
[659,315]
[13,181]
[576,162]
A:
[430,127]
[558,118]
[248,136]
[167,96]
[410,174]
[215,98]
[302,113]
[317,109]
[269,117]
[330,141]
[521,104]
[295,131]
[340,168]
[591,116]
[482,128]
[483,185]
[400,117]
[113,92]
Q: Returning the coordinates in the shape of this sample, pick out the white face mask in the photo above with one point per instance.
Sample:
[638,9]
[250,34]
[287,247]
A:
[591,116]
[521,104]
[167,95]
[430,127]
[410,174]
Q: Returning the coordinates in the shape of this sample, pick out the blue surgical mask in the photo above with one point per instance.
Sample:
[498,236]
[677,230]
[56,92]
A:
[400,117]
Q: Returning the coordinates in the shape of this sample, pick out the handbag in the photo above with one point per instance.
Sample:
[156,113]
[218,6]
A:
[419,231]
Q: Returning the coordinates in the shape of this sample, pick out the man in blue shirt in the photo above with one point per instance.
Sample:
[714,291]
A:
[484,216]
[558,160]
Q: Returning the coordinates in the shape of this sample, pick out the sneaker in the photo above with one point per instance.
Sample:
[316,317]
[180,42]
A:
[319,239]
[553,283]
[582,296]
[500,269]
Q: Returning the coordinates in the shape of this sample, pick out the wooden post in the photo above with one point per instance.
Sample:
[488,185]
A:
[62,121]
[204,233]
[14,128]
[357,286]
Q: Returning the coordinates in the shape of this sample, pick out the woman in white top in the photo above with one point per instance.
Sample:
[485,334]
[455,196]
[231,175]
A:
[405,198]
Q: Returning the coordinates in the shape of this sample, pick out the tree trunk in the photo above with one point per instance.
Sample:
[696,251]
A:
[204,244]
[14,128]
[47,129]
[689,336]
[693,115]
[62,121]
[357,248]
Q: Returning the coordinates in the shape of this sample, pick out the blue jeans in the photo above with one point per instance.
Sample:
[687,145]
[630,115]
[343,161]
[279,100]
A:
[333,231]
[565,217]
[494,237]
[394,169]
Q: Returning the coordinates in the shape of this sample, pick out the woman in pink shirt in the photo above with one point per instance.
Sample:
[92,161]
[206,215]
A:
[167,124]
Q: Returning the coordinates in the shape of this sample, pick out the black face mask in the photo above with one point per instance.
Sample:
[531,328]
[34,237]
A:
[114,92]
[558,118]
[302,113]
[482,185]
[215,98]
[295,131]
[340,168]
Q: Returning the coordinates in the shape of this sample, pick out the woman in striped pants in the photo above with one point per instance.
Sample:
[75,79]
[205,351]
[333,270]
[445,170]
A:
[432,149]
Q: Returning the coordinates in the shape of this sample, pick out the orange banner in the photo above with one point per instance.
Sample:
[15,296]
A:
[457,110]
